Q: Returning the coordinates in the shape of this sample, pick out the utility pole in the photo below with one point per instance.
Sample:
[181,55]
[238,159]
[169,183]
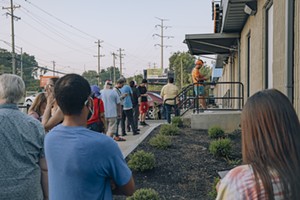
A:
[161,35]
[99,56]
[181,75]
[13,17]
[121,56]
[53,62]
[114,65]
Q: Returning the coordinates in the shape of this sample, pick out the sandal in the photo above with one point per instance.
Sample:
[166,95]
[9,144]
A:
[119,139]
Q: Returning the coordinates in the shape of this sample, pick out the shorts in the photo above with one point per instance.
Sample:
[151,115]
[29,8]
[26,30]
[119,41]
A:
[199,90]
[144,107]
[111,126]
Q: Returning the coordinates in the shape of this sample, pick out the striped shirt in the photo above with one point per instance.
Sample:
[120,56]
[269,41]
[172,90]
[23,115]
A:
[240,183]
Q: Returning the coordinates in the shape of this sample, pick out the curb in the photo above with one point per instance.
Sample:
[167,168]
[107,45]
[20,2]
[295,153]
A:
[140,139]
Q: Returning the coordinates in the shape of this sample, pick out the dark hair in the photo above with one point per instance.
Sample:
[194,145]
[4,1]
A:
[54,80]
[171,80]
[131,83]
[271,141]
[144,81]
[71,91]
[121,81]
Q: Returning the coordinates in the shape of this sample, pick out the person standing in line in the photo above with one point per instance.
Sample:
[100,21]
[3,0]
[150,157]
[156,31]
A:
[82,163]
[23,169]
[170,91]
[37,108]
[144,102]
[112,110]
[52,115]
[271,151]
[127,109]
[96,121]
[198,80]
[135,105]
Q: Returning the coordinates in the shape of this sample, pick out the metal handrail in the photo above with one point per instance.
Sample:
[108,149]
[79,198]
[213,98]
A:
[188,101]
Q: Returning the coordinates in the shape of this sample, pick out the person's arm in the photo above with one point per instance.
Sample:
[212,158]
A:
[49,122]
[119,111]
[127,189]
[44,177]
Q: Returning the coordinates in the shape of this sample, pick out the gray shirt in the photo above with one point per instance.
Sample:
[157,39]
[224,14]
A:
[21,147]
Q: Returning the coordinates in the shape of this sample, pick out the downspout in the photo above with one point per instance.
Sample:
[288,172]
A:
[239,72]
[289,49]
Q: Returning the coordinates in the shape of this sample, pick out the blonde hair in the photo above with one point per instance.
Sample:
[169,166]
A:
[37,104]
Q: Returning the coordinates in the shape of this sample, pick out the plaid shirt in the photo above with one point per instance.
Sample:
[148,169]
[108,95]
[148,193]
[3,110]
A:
[239,183]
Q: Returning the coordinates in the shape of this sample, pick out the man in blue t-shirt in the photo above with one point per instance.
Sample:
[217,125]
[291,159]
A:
[82,164]
[126,92]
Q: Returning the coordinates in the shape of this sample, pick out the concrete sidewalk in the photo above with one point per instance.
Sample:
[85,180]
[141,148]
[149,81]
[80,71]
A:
[132,141]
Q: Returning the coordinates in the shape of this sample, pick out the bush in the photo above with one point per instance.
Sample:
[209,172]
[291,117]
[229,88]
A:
[221,147]
[160,141]
[141,161]
[169,129]
[213,193]
[144,194]
[177,121]
[215,132]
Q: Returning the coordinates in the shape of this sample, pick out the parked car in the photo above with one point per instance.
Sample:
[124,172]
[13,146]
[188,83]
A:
[156,109]
[29,100]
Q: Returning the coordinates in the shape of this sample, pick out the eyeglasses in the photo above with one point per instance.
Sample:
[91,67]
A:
[86,103]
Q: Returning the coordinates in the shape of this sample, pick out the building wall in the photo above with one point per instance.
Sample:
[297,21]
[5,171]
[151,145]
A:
[256,28]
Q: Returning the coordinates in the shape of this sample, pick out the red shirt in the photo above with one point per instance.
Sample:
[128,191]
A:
[98,108]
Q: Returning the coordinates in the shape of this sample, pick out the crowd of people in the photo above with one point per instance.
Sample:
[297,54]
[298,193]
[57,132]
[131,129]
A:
[65,148]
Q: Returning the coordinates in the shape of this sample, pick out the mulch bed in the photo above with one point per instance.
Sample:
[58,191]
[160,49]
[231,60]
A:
[186,170]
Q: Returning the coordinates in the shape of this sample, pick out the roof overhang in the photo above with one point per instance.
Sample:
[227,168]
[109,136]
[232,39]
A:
[216,43]
[234,16]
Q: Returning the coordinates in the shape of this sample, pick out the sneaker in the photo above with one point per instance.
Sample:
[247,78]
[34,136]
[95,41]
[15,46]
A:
[136,133]
[124,134]
[145,124]
[138,129]
[119,139]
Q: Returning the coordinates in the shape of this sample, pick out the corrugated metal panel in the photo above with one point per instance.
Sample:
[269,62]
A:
[217,43]
[234,17]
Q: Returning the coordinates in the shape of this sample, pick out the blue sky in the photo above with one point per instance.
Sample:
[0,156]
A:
[65,31]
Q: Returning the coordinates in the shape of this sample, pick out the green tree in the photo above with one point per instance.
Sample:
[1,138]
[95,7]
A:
[187,61]
[30,68]
[91,76]
[108,74]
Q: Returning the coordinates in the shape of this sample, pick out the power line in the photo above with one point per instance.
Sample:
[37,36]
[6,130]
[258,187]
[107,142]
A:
[162,36]
[71,26]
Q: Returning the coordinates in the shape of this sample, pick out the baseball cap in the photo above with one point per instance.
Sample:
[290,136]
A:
[108,82]
[199,62]
[95,91]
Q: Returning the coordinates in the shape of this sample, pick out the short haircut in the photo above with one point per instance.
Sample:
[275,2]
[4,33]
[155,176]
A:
[144,81]
[131,83]
[121,81]
[71,92]
[12,88]
[171,80]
